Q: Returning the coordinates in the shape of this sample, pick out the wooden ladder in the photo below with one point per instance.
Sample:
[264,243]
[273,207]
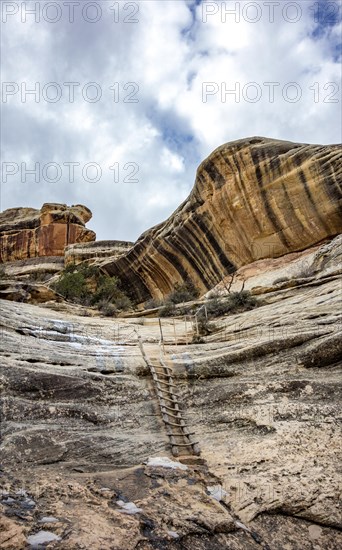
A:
[180,437]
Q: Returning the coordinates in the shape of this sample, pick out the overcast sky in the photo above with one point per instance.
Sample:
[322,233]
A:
[136,95]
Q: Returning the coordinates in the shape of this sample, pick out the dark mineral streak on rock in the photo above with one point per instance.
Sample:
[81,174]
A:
[252,199]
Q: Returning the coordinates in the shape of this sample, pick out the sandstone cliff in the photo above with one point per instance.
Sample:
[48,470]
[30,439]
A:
[253,198]
[29,233]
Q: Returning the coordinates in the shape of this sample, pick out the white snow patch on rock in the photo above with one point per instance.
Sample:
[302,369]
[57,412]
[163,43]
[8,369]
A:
[217,492]
[48,519]
[165,462]
[128,507]
[42,537]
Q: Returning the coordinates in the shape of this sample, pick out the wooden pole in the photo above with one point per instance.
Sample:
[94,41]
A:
[161,333]
[186,331]
[174,330]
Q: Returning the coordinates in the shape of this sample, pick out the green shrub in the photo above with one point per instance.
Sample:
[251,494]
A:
[242,300]
[73,287]
[70,268]
[184,292]
[197,339]
[107,289]
[87,285]
[205,326]
[169,310]
[122,302]
[233,303]
[107,309]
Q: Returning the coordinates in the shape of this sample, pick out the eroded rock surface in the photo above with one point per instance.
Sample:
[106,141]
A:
[33,268]
[96,251]
[80,419]
[29,233]
[33,293]
[252,199]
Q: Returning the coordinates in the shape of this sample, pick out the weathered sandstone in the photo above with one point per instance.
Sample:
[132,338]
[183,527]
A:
[29,233]
[80,418]
[22,291]
[34,268]
[94,252]
[252,199]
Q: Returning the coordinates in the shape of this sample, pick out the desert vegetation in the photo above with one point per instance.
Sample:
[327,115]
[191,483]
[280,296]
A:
[87,285]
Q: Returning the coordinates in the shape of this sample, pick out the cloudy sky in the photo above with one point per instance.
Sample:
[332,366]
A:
[129,97]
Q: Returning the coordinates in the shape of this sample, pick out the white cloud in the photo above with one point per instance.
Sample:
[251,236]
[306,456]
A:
[170,53]
[172,162]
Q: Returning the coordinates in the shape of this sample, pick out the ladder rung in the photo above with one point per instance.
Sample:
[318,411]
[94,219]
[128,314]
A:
[185,444]
[176,435]
[159,374]
[174,424]
[167,383]
[167,399]
[161,367]
[170,413]
[166,391]
[166,407]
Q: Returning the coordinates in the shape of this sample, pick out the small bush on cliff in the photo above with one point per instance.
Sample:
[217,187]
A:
[73,287]
[107,309]
[168,310]
[86,285]
[306,272]
[153,304]
[235,302]
[184,292]
[205,326]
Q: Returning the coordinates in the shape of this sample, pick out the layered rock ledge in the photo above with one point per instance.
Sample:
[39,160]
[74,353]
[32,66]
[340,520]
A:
[95,252]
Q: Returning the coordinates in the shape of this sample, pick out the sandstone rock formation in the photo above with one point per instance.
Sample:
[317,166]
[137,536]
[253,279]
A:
[253,198]
[29,233]
[80,419]
[33,293]
[33,268]
[95,252]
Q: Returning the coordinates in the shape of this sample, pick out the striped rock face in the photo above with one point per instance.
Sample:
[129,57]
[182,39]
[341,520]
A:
[252,199]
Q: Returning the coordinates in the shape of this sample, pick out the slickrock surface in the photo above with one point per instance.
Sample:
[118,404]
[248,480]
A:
[252,199]
[29,233]
[80,418]
[96,251]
